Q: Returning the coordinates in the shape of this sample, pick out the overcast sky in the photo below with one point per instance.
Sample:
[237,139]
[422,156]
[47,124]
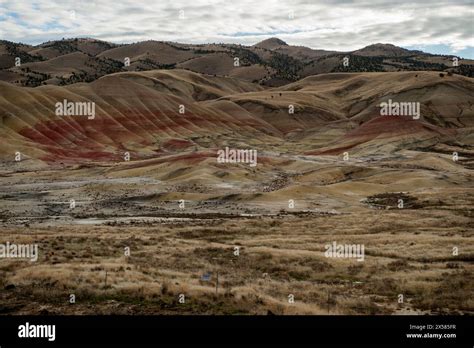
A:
[436,26]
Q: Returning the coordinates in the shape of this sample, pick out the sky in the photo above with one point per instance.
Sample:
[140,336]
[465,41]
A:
[434,26]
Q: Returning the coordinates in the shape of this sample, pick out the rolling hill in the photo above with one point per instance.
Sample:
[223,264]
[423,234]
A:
[271,62]
[138,112]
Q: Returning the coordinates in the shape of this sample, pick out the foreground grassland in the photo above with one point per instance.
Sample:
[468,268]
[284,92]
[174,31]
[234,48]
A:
[407,252]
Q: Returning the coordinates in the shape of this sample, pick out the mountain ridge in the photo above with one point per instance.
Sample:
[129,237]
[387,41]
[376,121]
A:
[271,62]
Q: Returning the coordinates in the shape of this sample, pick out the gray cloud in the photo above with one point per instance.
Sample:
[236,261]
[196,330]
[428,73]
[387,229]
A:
[331,24]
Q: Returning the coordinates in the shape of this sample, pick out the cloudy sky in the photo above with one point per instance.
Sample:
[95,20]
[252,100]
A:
[436,26]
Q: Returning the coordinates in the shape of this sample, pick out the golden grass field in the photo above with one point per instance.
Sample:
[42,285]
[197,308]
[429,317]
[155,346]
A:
[407,253]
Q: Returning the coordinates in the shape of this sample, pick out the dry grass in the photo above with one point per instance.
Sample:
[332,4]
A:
[274,262]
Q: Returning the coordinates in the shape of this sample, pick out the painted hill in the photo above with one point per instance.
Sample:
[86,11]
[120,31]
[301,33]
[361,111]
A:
[135,112]
[151,113]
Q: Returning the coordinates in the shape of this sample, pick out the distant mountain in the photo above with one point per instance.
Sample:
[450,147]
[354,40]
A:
[271,62]
[384,50]
[271,43]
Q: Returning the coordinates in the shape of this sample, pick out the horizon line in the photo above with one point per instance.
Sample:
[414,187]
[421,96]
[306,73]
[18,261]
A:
[410,48]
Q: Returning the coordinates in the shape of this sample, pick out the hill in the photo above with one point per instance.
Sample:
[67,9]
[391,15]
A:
[271,62]
[139,111]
